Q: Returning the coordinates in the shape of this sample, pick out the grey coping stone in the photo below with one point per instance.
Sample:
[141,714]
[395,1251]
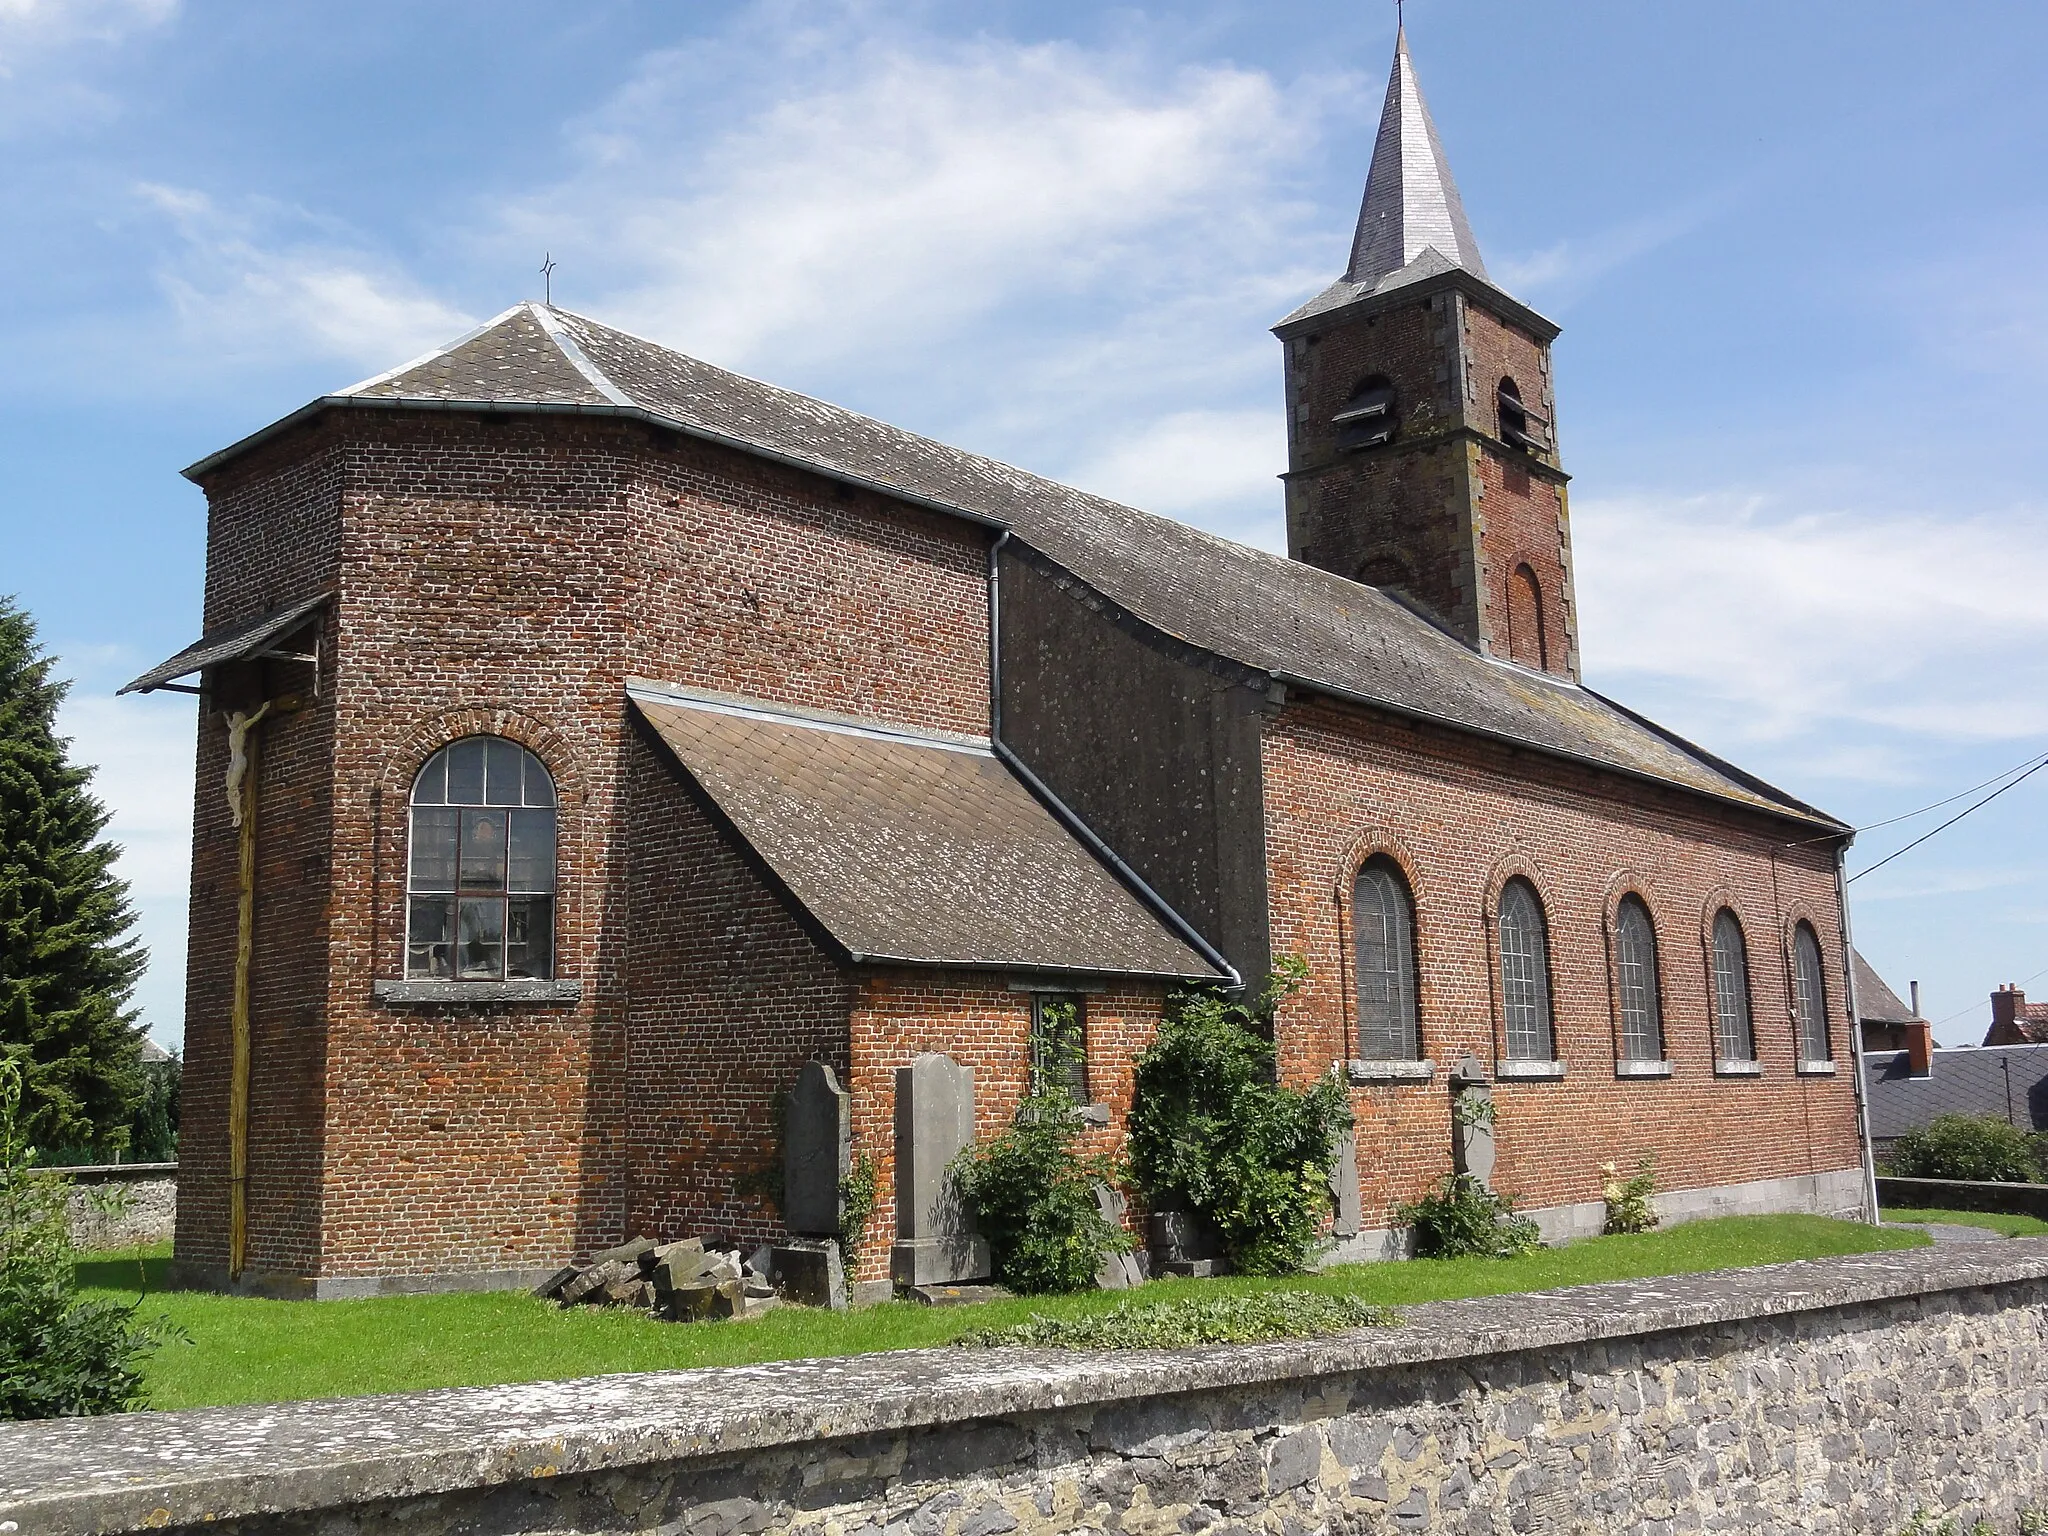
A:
[149,1470]
[817,1139]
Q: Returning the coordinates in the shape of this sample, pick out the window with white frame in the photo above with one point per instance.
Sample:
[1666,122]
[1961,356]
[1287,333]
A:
[1735,1038]
[1383,922]
[480,874]
[1635,964]
[1809,995]
[1525,973]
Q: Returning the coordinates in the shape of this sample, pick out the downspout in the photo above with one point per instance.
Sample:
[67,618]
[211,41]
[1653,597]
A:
[1060,809]
[1856,1036]
[243,760]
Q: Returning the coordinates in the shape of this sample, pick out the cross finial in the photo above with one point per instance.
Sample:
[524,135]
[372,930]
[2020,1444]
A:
[1400,15]
[547,279]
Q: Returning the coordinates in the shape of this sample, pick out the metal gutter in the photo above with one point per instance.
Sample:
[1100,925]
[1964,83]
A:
[1061,811]
[1856,1035]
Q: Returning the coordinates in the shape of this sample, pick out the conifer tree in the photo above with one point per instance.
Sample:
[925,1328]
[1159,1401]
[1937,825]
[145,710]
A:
[67,962]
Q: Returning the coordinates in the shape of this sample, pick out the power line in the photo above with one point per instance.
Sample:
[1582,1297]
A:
[2030,764]
[1973,1007]
[1880,864]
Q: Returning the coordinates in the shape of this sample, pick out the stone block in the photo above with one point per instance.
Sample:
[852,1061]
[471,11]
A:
[551,1288]
[1118,1272]
[809,1274]
[940,1260]
[934,1123]
[817,1140]
[626,1253]
[591,1281]
[957,1295]
[1192,1269]
[1178,1236]
[681,1264]
[870,1293]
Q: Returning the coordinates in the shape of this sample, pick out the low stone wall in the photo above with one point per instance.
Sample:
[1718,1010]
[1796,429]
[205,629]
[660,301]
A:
[1964,1195]
[1830,1396]
[121,1205]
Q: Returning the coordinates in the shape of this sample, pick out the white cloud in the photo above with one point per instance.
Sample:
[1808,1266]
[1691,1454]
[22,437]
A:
[264,282]
[32,27]
[877,193]
[1190,463]
[1781,625]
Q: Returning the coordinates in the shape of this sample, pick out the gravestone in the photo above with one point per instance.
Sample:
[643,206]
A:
[1115,1271]
[817,1140]
[809,1274]
[1347,1201]
[935,1239]
[1472,1141]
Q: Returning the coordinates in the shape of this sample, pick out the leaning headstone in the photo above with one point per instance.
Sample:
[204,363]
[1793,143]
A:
[1473,1150]
[1348,1214]
[809,1274]
[1180,1237]
[935,1239]
[816,1144]
[1114,1271]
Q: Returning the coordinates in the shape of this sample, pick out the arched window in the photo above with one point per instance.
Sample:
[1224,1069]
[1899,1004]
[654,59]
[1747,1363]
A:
[1520,427]
[480,882]
[1383,922]
[1735,1040]
[1526,642]
[1525,973]
[1367,418]
[1635,963]
[1809,995]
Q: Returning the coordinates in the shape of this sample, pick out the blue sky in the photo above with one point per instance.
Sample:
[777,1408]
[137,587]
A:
[1797,252]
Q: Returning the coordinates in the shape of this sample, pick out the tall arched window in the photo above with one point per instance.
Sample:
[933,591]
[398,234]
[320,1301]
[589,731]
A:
[1642,1008]
[1383,921]
[1525,973]
[1735,1040]
[480,882]
[1526,642]
[1809,995]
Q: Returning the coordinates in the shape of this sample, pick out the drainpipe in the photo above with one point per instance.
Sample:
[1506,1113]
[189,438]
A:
[1856,1035]
[243,762]
[1060,809]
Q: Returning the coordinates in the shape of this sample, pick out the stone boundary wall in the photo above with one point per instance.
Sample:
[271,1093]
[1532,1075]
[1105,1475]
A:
[121,1205]
[1834,1395]
[1964,1195]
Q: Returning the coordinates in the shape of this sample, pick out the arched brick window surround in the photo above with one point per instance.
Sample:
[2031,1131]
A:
[1623,885]
[391,815]
[1383,843]
[1724,898]
[1834,1016]
[1520,866]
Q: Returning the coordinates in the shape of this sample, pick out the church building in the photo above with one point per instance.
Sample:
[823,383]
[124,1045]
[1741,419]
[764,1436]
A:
[590,737]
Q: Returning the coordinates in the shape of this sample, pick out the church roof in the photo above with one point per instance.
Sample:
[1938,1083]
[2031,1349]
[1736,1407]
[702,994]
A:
[1304,626]
[1877,1003]
[911,847]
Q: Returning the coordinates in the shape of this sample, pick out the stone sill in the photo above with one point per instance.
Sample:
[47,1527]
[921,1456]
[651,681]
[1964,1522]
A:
[148,1471]
[1642,1069]
[1386,1071]
[1731,1067]
[554,993]
[1528,1071]
[1816,1069]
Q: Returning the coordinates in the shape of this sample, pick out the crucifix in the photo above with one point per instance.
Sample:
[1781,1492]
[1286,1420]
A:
[547,279]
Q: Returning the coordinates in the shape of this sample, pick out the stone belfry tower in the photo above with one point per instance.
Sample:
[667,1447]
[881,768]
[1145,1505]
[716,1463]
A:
[1421,442]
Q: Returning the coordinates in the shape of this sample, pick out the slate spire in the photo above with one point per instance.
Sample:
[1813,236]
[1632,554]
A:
[1411,202]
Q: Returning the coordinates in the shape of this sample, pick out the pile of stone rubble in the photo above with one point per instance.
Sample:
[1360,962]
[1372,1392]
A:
[696,1279]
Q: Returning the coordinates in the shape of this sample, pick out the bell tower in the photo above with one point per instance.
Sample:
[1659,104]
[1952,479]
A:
[1421,429]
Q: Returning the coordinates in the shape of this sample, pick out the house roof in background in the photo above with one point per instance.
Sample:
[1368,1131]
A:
[1996,1080]
[1877,1003]
[1304,626]
[911,847]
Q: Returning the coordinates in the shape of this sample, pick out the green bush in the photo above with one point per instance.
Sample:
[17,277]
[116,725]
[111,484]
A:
[1630,1206]
[59,1357]
[1461,1218]
[1033,1195]
[1183,1321]
[1211,1132]
[1965,1147]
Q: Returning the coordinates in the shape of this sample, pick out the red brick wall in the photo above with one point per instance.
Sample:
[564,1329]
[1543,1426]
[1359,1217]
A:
[977,1020]
[730,996]
[1460,816]
[272,536]
[505,575]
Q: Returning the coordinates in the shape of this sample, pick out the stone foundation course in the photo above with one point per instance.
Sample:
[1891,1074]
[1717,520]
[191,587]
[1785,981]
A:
[1836,1395]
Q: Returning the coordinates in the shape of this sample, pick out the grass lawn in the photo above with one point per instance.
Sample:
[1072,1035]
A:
[2011,1226]
[245,1351]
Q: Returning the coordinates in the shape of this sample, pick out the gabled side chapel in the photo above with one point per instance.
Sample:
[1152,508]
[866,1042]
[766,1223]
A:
[589,737]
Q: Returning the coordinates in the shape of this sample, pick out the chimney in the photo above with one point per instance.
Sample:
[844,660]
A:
[1916,997]
[1919,1047]
[2006,1005]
